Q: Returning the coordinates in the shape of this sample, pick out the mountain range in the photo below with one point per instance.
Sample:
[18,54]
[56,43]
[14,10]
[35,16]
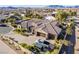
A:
[62,6]
[47,6]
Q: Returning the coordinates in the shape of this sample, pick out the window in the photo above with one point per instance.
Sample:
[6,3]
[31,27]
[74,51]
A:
[51,36]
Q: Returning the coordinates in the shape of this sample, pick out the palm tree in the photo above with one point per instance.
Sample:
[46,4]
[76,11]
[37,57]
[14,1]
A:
[72,13]
[61,16]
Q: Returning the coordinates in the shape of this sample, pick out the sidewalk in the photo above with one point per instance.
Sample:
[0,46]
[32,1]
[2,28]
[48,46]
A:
[5,49]
[77,47]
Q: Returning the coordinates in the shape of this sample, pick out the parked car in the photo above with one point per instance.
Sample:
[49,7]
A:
[44,45]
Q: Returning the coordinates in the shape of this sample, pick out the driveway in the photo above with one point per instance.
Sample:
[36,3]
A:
[4,49]
[24,39]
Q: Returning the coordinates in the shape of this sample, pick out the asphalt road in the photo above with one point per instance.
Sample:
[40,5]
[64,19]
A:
[4,49]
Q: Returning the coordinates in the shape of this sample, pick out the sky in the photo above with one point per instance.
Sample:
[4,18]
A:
[37,2]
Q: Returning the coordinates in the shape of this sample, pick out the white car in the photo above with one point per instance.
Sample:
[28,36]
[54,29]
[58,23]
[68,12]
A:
[43,44]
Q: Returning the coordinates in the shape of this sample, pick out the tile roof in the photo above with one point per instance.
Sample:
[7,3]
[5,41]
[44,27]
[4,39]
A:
[50,27]
[44,25]
[57,29]
[2,17]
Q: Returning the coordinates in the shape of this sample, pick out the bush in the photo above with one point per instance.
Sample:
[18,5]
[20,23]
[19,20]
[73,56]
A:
[24,45]
[14,25]
[20,31]
[25,34]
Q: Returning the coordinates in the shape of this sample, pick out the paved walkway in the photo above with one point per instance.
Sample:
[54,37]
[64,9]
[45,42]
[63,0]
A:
[77,47]
[77,40]
[4,49]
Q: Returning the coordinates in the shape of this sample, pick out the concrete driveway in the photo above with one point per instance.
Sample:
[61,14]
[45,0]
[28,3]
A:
[24,39]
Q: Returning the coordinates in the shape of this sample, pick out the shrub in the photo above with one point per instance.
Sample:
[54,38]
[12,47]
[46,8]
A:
[14,25]
[24,45]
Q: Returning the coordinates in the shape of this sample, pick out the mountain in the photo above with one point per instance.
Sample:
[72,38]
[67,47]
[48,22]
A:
[8,8]
[62,6]
[56,6]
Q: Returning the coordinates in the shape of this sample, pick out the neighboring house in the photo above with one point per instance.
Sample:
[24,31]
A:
[3,17]
[76,20]
[50,18]
[16,17]
[19,27]
[45,28]
[28,24]
[54,13]
[77,28]
[22,15]
[18,21]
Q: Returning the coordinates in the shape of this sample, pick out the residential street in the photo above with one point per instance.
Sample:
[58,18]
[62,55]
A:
[4,49]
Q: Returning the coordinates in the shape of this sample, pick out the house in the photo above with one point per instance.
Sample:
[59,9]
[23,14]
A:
[3,17]
[16,17]
[50,18]
[45,28]
[28,24]
[77,28]
[18,21]
[54,13]
[49,30]
[19,27]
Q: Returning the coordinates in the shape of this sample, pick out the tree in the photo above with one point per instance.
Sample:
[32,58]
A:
[61,16]
[72,13]
[69,29]
[29,13]
[18,16]
[12,20]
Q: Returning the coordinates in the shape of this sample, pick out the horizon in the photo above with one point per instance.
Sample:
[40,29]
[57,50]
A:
[34,5]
